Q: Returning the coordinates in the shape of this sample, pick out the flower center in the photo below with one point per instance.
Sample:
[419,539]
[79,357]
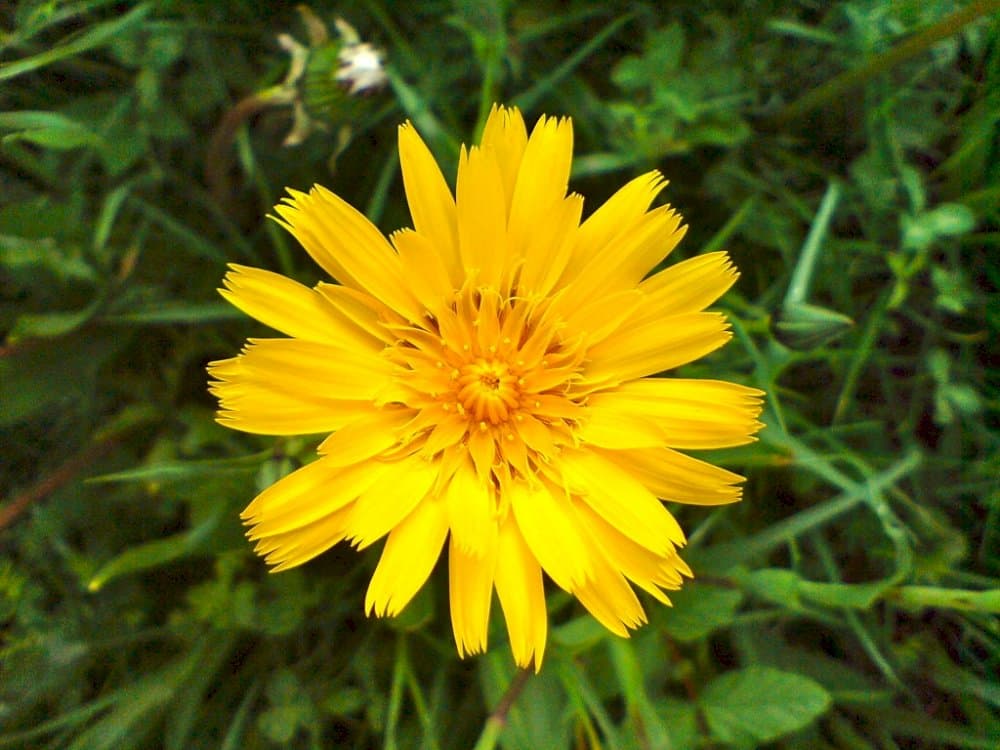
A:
[488,390]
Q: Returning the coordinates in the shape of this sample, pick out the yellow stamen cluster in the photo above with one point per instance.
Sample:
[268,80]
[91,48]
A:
[491,375]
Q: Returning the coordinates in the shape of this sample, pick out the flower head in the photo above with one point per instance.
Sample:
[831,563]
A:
[487,380]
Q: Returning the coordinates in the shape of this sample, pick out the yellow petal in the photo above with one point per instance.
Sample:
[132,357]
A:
[363,310]
[309,366]
[688,286]
[618,214]
[622,263]
[278,383]
[541,181]
[431,203]
[536,435]
[482,222]
[648,570]
[548,248]
[470,509]
[447,432]
[390,499]
[619,498]
[614,428]
[522,597]
[367,437]
[265,408]
[348,246]
[637,351]
[470,589]
[284,551]
[424,268]
[547,520]
[690,414]
[408,559]
[594,321]
[290,307]
[507,137]
[678,478]
[609,598]
[482,448]
[307,495]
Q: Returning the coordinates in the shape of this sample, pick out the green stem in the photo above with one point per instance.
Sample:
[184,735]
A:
[853,494]
[798,287]
[849,79]
[399,670]
[862,354]
[931,596]
[498,719]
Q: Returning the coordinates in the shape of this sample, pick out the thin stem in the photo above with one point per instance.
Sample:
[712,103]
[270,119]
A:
[917,597]
[63,475]
[798,287]
[837,87]
[498,719]
[217,159]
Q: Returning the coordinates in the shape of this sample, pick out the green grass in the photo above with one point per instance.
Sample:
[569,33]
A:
[846,156]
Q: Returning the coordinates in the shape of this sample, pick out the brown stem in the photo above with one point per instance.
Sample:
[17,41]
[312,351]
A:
[499,714]
[217,159]
[64,474]
[498,719]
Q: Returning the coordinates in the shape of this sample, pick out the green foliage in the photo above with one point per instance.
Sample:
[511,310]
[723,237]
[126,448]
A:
[755,705]
[845,154]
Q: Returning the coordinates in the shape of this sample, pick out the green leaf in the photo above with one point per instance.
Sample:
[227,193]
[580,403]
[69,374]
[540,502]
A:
[663,51]
[787,588]
[950,219]
[51,324]
[179,471]
[698,610]
[142,702]
[579,634]
[280,723]
[945,220]
[755,705]
[50,129]
[50,371]
[344,702]
[850,595]
[529,99]
[290,709]
[182,723]
[96,36]
[30,258]
[57,139]
[804,326]
[156,553]
[631,678]
[169,314]
[682,718]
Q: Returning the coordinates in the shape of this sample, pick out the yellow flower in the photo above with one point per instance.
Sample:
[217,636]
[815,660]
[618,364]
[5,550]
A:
[486,380]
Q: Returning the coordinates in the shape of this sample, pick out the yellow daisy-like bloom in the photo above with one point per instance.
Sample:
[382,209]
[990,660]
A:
[486,380]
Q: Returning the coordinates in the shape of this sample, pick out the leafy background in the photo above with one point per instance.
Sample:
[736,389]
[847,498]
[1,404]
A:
[846,154]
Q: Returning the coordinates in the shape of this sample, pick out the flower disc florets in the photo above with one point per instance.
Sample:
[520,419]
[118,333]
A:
[490,375]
